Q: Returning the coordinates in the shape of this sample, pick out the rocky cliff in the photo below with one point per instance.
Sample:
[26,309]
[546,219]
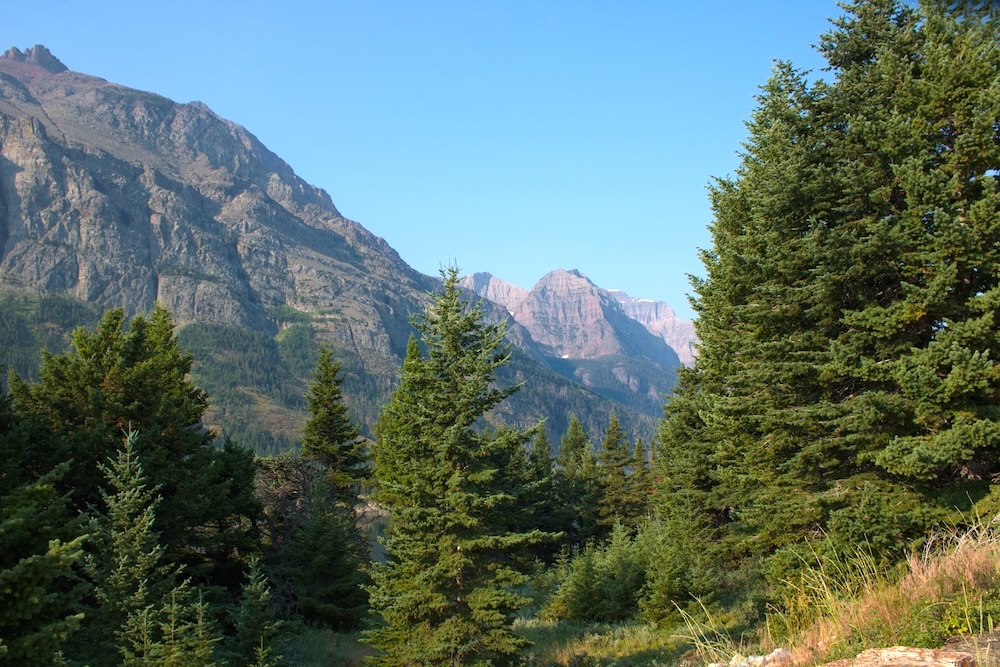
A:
[126,198]
[493,289]
[118,197]
[586,333]
[660,320]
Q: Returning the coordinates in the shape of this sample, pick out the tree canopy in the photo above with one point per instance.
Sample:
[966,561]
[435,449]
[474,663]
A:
[846,387]
[445,594]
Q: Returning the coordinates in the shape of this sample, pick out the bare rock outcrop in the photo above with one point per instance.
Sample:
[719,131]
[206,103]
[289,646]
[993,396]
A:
[661,320]
[904,656]
[585,333]
[493,289]
[126,198]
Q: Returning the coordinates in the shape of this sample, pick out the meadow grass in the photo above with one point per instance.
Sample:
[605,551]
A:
[574,644]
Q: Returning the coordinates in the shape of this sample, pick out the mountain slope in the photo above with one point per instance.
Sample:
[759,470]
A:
[585,333]
[660,320]
[118,197]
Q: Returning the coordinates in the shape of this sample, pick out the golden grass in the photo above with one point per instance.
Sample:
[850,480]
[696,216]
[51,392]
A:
[841,608]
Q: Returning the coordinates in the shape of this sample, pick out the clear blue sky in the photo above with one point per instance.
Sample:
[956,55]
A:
[513,136]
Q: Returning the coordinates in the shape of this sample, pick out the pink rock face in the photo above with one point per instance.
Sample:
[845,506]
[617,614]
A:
[571,315]
[575,319]
[493,289]
[660,319]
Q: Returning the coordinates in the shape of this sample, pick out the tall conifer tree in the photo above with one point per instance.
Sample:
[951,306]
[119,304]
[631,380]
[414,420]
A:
[329,436]
[845,388]
[39,545]
[619,501]
[577,486]
[137,377]
[445,595]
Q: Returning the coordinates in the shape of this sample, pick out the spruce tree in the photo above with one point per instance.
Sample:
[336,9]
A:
[324,563]
[125,563]
[39,545]
[619,501]
[140,615]
[256,628]
[329,436]
[445,594]
[642,481]
[577,486]
[136,377]
[845,390]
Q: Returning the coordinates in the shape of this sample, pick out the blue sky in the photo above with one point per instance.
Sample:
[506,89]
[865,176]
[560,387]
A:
[513,136]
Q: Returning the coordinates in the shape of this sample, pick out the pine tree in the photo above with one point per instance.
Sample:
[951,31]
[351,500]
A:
[844,390]
[137,378]
[329,436]
[577,486]
[445,595]
[39,545]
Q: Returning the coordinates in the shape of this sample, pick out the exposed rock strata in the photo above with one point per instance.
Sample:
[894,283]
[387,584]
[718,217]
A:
[586,333]
[660,320]
[126,198]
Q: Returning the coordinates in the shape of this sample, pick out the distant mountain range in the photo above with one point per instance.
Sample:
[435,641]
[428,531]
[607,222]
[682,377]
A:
[595,336]
[116,197]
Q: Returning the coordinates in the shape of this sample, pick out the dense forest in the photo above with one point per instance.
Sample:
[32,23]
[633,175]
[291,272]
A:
[844,408]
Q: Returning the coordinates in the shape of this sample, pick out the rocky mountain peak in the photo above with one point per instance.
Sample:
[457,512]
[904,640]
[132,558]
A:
[36,55]
[493,289]
[660,320]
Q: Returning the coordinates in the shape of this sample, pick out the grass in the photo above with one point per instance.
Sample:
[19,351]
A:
[844,605]
[556,643]
[319,647]
[951,588]
[569,644]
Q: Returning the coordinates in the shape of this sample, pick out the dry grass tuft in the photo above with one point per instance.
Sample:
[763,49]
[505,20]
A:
[841,608]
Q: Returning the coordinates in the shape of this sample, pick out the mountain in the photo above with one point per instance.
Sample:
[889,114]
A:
[587,333]
[659,319]
[493,289]
[111,196]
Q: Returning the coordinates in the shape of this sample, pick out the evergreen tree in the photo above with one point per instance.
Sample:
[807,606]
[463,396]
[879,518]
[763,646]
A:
[139,616]
[642,481]
[577,486]
[126,561]
[314,555]
[329,436]
[256,628]
[324,563]
[541,456]
[619,501]
[116,380]
[184,634]
[445,595]
[844,390]
[39,545]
